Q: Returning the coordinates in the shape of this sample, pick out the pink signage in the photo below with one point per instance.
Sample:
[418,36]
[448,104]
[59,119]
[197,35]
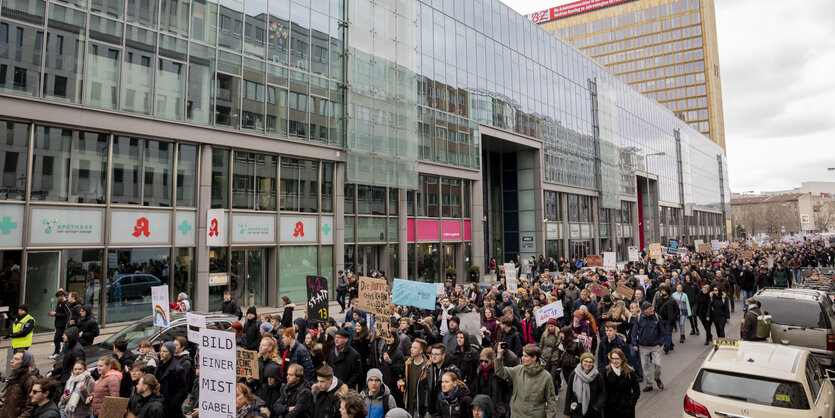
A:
[427,230]
[410,230]
[466,230]
[451,230]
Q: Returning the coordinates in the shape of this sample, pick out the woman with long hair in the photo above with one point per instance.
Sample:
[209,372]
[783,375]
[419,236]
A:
[76,401]
[246,403]
[622,387]
[454,400]
[571,351]
[109,382]
[584,328]
[361,342]
[718,311]
[491,324]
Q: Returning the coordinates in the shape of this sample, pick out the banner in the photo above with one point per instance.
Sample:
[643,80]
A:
[470,323]
[553,310]
[159,301]
[672,247]
[594,260]
[625,291]
[771,262]
[599,290]
[418,294]
[194,322]
[217,374]
[510,277]
[610,260]
[317,299]
[703,248]
[374,295]
[246,363]
[634,253]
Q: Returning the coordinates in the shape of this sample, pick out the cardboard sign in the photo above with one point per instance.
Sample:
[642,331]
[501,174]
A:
[747,255]
[374,295]
[655,250]
[317,299]
[159,303]
[552,310]
[610,260]
[418,294]
[194,322]
[594,260]
[625,291]
[599,290]
[734,245]
[470,323]
[217,374]
[703,248]
[714,245]
[771,262]
[510,277]
[246,362]
[634,253]
[114,407]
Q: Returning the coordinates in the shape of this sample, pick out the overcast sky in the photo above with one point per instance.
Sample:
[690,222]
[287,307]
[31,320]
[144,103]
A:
[777,63]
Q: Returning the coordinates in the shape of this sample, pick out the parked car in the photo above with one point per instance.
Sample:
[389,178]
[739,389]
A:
[755,379]
[802,318]
[126,286]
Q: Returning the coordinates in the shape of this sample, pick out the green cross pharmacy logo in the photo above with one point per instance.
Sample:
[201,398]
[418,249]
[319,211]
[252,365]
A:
[184,227]
[6,225]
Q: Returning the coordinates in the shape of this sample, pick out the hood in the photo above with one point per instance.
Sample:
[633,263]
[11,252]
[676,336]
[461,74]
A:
[466,341]
[302,324]
[272,369]
[483,402]
[72,335]
[89,310]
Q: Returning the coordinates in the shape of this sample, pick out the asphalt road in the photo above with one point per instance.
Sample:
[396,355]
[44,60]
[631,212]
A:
[678,368]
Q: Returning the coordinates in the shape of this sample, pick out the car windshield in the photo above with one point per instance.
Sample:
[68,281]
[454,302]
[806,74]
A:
[800,313]
[133,334]
[752,389]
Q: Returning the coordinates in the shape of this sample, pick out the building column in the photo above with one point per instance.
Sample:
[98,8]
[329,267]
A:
[595,213]
[402,234]
[204,203]
[338,218]
[477,228]
[566,233]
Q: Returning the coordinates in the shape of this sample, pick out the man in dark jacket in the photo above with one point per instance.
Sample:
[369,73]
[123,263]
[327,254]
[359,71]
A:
[609,342]
[251,337]
[19,385]
[230,306]
[667,309]
[344,361]
[72,353]
[296,353]
[87,326]
[41,399]
[75,306]
[62,316]
[126,358]
[439,363]
[172,381]
[326,393]
[646,334]
[749,321]
[295,399]
[182,355]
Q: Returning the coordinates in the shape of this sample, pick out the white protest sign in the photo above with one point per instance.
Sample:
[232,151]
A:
[159,301]
[441,289]
[194,322]
[510,277]
[553,310]
[634,254]
[470,322]
[610,261]
[218,373]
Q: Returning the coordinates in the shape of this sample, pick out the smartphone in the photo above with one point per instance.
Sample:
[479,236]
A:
[188,409]
[503,345]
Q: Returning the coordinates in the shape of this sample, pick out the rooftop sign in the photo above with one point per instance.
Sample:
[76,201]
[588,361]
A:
[571,9]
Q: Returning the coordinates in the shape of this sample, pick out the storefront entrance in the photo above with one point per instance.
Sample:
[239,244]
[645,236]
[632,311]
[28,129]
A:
[43,272]
[370,257]
[248,278]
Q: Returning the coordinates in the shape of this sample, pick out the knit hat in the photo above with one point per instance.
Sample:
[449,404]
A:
[552,321]
[331,331]
[398,413]
[23,307]
[28,359]
[183,296]
[251,310]
[645,305]
[169,345]
[266,327]
[585,356]
[374,373]
[505,294]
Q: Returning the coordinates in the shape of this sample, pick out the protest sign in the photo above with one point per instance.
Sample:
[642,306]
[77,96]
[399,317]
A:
[672,246]
[771,262]
[625,291]
[418,294]
[552,310]
[317,299]
[217,374]
[599,290]
[703,248]
[159,301]
[374,296]
[610,260]
[714,244]
[747,255]
[113,407]
[510,277]
[246,362]
[194,322]
[594,260]
[470,323]
[755,246]
[734,245]
[655,251]
[441,289]
[634,253]
[698,242]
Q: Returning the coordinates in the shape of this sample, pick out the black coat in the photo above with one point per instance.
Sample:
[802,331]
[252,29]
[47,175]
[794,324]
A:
[251,337]
[394,371]
[457,407]
[298,396]
[73,353]
[703,305]
[89,330]
[48,410]
[147,407]
[172,385]
[718,310]
[347,366]
[62,315]
[597,400]
[231,307]
[467,361]
[326,404]
[494,387]
[622,393]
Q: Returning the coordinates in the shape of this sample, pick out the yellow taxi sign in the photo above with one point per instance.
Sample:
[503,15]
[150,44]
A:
[725,342]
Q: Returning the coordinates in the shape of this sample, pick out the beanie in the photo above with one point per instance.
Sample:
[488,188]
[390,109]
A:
[374,373]
[251,310]
[585,356]
[169,345]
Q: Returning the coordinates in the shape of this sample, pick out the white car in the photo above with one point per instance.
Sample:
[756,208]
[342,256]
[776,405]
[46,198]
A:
[741,379]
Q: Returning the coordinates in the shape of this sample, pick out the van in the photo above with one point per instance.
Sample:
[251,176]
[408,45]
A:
[802,318]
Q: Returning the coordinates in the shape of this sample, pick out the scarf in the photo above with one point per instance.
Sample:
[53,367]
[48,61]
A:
[485,370]
[450,398]
[72,386]
[581,385]
[616,370]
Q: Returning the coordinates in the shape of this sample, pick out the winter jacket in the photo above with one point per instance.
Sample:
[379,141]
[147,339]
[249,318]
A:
[269,393]
[456,406]
[647,331]
[683,301]
[89,329]
[570,356]
[326,404]
[188,367]
[466,360]
[231,307]
[72,353]
[172,382]
[497,389]
[47,410]
[393,371]
[287,315]
[749,328]
[62,315]
[550,343]
[347,366]
[108,385]
[606,347]
[378,405]
[718,310]
[251,337]
[514,343]
[420,391]
[597,400]
[16,401]
[298,396]
[298,354]
[433,382]
[748,281]
[782,278]
[702,305]
[147,406]
[622,393]
[533,390]
[82,408]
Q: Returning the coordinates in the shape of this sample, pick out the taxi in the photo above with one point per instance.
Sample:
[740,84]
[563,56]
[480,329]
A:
[741,379]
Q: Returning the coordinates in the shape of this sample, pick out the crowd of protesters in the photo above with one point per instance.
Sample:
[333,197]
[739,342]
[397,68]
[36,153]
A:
[617,327]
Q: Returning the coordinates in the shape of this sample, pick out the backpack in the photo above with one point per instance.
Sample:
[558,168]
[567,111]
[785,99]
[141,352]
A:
[763,325]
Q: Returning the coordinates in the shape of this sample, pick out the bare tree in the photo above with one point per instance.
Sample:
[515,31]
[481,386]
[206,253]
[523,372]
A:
[824,216]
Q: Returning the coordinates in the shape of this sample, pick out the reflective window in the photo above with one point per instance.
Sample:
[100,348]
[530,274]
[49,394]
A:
[327,187]
[51,164]
[186,175]
[184,271]
[279,31]
[138,87]
[131,275]
[451,198]
[289,184]
[253,94]
[174,17]
[201,69]
[295,263]
[111,8]
[13,156]
[349,200]
[20,56]
[276,110]
[88,174]
[220,178]
[309,186]
[253,181]
[171,89]
[64,54]
[157,173]
[30,11]
[143,12]
[255,28]
[204,21]
[102,75]
[231,25]
[126,170]
[300,38]
[228,101]
[394,201]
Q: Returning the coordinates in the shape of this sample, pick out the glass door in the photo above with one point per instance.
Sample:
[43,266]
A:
[43,272]
[247,279]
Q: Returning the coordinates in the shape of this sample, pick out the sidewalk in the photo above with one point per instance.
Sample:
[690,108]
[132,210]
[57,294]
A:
[42,346]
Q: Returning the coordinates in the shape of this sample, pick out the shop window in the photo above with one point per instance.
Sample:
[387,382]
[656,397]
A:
[451,198]
[131,273]
[184,272]
[327,187]
[13,156]
[186,169]
[295,263]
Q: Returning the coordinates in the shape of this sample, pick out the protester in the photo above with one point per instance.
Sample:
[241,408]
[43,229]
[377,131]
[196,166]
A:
[172,381]
[533,390]
[490,385]
[612,341]
[377,395]
[622,386]
[247,404]
[326,393]
[465,358]
[483,407]
[148,355]
[41,399]
[296,353]
[440,363]
[585,393]
[251,336]
[295,399]
[751,320]
[683,301]
[229,306]
[88,326]
[62,316]
[415,381]
[147,402]
[391,364]
[109,382]
[72,354]
[647,336]
[454,400]
[19,385]
[78,391]
[352,405]
[718,313]
[287,316]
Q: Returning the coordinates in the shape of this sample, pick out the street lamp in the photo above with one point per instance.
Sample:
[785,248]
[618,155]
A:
[646,167]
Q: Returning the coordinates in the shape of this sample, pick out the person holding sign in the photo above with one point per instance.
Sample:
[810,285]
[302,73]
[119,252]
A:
[147,402]
[172,381]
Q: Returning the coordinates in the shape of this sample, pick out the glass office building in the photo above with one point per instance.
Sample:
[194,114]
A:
[243,145]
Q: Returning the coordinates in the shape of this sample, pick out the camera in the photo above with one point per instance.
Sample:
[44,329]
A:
[503,345]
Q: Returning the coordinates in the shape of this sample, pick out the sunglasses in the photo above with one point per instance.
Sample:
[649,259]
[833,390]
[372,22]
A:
[36,391]
[485,361]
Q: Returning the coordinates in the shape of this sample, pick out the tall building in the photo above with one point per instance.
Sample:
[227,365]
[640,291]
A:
[216,145]
[665,49]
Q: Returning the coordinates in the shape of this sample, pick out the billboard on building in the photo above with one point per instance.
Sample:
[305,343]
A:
[571,9]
